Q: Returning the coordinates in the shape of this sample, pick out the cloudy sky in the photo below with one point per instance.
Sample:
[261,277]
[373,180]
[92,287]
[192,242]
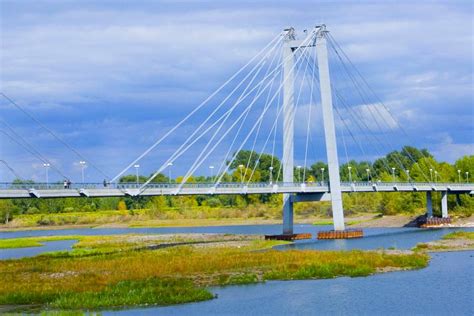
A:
[112,77]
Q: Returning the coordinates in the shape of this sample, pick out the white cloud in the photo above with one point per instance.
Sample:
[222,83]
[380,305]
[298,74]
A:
[449,151]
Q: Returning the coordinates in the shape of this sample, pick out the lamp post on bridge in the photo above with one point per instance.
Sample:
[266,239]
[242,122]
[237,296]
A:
[431,175]
[393,174]
[408,175]
[212,173]
[436,176]
[271,174]
[459,176]
[46,166]
[83,166]
[467,176]
[136,172]
[322,176]
[299,173]
[170,164]
[241,167]
[368,174]
[350,173]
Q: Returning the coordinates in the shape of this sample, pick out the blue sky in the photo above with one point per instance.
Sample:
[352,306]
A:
[110,77]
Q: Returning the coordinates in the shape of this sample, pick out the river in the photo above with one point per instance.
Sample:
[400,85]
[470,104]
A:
[445,287]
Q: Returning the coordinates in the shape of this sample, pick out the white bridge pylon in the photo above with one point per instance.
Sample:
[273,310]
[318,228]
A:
[317,38]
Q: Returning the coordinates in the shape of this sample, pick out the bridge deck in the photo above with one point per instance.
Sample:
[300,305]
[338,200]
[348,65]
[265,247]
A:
[117,190]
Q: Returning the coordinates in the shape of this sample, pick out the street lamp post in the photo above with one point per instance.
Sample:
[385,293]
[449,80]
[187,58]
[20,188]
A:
[467,176]
[299,173]
[46,166]
[322,175]
[350,174]
[393,174]
[459,176]
[136,172]
[408,175]
[368,174]
[436,176]
[271,174]
[241,167]
[83,166]
[431,175]
[212,173]
[170,164]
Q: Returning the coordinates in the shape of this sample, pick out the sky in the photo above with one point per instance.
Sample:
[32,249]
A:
[111,77]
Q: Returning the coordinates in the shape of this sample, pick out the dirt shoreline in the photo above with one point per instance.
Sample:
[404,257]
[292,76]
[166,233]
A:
[363,221]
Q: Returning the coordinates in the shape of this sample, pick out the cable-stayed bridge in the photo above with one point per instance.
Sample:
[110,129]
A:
[252,107]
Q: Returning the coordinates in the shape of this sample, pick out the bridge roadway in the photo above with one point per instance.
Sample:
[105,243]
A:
[318,190]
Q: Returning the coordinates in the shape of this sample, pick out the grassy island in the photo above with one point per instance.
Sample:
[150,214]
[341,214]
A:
[455,241]
[132,270]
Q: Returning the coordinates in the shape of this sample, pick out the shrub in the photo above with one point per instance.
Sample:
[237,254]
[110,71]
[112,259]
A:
[121,206]
[213,202]
[32,210]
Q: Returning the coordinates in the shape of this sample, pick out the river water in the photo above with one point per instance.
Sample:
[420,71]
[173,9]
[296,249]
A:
[445,287]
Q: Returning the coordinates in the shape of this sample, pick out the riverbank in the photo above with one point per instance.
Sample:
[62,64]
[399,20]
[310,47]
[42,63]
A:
[456,241]
[135,270]
[363,220]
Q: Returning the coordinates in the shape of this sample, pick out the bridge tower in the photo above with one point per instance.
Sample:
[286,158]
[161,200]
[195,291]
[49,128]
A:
[291,44]
[288,124]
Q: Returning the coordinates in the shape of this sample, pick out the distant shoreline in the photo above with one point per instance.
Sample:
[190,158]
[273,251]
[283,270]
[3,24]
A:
[363,221]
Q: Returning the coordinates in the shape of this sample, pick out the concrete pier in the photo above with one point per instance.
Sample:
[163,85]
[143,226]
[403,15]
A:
[444,204]
[287,215]
[429,205]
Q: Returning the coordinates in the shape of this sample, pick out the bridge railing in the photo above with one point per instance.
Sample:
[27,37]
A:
[226,185]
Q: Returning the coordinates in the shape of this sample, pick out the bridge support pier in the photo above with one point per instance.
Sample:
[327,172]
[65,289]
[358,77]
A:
[429,205]
[444,204]
[287,214]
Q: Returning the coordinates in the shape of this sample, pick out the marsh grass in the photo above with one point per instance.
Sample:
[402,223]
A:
[459,240]
[151,291]
[323,223]
[238,279]
[91,278]
[25,242]
[459,235]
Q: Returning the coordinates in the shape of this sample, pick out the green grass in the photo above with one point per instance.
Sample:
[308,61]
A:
[459,240]
[25,242]
[90,277]
[151,291]
[51,313]
[323,223]
[239,279]
[459,235]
